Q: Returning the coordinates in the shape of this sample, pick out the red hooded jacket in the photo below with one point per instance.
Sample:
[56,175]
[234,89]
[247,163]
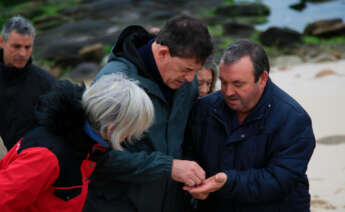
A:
[49,169]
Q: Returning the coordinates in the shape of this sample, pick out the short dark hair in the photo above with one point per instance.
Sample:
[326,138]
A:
[186,37]
[242,48]
[20,25]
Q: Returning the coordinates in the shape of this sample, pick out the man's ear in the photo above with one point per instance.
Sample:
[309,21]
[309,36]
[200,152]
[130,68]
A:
[163,52]
[263,79]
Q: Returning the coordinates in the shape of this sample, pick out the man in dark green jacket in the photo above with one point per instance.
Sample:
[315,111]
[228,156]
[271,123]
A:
[147,176]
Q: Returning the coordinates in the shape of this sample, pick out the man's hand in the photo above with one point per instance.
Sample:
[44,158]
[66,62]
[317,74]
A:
[187,172]
[211,184]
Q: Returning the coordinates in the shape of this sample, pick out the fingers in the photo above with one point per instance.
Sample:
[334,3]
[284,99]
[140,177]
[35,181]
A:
[198,175]
[193,180]
[211,184]
[187,172]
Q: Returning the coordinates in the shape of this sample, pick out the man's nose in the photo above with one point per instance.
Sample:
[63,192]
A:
[228,90]
[22,52]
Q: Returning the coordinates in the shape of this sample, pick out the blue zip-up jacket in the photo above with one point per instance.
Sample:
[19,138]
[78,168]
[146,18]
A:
[265,158]
[139,179]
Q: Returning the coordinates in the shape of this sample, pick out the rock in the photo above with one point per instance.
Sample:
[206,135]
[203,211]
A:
[281,37]
[325,72]
[318,1]
[298,6]
[336,55]
[283,62]
[56,71]
[323,57]
[93,52]
[331,140]
[50,21]
[84,71]
[29,9]
[72,37]
[326,28]
[99,9]
[237,29]
[251,9]
[161,15]
[319,203]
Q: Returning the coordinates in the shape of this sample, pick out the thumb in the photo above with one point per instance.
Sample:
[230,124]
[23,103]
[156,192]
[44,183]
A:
[221,177]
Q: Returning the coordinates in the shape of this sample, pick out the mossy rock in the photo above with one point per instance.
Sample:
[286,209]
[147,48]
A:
[50,21]
[249,9]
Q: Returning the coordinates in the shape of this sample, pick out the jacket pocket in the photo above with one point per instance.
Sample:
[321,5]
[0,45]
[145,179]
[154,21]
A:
[67,193]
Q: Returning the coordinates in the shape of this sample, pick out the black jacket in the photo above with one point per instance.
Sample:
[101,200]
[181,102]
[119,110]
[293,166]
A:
[19,92]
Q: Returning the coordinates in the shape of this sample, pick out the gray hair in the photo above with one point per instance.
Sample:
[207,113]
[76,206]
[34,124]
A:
[256,52]
[115,99]
[18,24]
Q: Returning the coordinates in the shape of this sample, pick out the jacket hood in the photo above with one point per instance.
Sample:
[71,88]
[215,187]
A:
[61,112]
[127,43]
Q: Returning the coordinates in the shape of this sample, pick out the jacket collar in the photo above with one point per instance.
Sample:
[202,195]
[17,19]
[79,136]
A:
[95,136]
[13,71]
[222,110]
[264,104]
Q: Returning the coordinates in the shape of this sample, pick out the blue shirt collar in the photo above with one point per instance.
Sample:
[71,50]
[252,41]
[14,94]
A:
[94,135]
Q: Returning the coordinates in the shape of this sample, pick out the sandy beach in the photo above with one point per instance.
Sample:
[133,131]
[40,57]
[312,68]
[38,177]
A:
[320,89]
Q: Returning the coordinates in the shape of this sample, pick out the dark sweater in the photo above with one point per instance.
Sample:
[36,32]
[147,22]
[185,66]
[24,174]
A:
[19,92]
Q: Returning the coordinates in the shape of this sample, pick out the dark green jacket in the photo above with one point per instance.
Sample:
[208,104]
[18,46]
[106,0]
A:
[139,178]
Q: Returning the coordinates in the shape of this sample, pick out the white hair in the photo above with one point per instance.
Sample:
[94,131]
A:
[116,100]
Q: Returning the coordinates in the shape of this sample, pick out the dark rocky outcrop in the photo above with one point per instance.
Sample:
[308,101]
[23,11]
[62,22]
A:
[51,21]
[238,29]
[326,28]
[252,9]
[84,71]
[63,44]
[281,37]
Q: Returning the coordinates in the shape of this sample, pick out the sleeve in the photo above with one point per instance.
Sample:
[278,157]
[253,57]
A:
[292,149]
[188,145]
[34,170]
[133,167]
[130,166]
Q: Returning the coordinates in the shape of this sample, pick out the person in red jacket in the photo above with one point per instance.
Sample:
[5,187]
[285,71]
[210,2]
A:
[49,169]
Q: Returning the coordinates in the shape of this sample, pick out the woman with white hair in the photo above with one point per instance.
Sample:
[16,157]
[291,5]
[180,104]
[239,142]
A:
[49,169]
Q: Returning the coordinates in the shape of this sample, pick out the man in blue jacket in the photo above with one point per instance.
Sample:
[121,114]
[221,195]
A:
[255,134]
[147,176]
